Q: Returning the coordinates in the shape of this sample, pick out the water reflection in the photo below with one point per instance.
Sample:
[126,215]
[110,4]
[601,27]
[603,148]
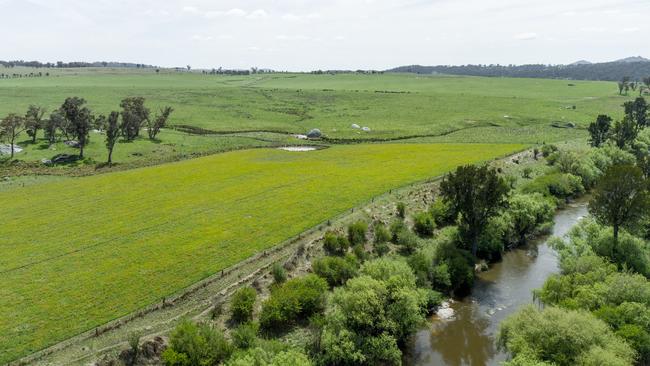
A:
[468,338]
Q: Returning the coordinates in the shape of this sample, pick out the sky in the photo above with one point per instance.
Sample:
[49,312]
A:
[318,34]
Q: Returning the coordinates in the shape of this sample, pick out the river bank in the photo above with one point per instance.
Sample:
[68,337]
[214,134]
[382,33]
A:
[468,336]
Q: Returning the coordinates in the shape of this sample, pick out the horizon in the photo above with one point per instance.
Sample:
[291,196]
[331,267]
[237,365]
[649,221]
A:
[340,35]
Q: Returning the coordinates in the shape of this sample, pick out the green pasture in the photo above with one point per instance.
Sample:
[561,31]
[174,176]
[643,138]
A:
[391,105]
[78,252]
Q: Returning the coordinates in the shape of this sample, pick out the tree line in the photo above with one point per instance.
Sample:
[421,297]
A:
[64,65]
[73,121]
[609,71]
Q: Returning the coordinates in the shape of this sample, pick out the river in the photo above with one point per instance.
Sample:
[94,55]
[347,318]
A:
[468,338]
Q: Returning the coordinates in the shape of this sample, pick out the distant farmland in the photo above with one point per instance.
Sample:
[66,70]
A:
[391,105]
[77,253]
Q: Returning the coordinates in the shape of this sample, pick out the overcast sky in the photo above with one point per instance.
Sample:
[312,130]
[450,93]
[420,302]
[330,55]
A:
[313,34]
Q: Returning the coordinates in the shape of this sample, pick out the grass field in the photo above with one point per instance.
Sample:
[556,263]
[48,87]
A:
[415,104]
[79,252]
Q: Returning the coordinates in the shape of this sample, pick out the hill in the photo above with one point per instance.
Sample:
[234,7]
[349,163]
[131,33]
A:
[634,67]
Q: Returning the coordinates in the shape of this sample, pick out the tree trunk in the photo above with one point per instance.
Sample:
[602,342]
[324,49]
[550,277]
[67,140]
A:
[13,138]
[34,137]
[81,151]
[110,154]
[615,234]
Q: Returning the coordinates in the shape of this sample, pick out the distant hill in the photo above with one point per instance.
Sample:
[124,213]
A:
[581,62]
[628,60]
[634,67]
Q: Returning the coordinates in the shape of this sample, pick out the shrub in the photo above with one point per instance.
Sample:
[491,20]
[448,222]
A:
[396,227]
[401,210]
[459,262]
[407,240]
[527,172]
[335,244]
[269,353]
[245,335]
[382,249]
[424,224]
[442,213]
[296,299]
[196,344]
[357,233]
[360,252]
[563,338]
[558,185]
[382,235]
[242,304]
[336,270]
[548,150]
[279,273]
[372,314]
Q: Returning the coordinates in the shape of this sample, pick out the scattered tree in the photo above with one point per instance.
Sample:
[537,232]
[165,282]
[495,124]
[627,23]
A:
[112,133]
[637,111]
[624,132]
[79,120]
[153,127]
[621,197]
[478,193]
[55,122]
[599,130]
[34,121]
[10,128]
[134,115]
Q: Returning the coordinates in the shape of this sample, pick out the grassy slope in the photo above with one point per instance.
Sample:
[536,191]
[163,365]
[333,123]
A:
[297,103]
[78,255]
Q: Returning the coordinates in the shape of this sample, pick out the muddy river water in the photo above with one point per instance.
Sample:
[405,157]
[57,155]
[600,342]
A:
[468,337]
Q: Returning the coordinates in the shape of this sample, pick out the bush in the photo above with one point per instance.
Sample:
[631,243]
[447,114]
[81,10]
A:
[382,235]
[245,335]
[296,299]
[459,263]
[401,210]
[442,213]
[559,185]
[335,244]
[372,314]
[382,249]
[407,240]
[269,353]
[336,270]
[196,344]
[360,252]
[527,172]
[424,224]
[357,233]
[548,150]
[279,273]
[562,337]
[396,227]
[242,304]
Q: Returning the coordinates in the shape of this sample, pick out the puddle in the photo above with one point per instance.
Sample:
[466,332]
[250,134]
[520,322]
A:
[298,148]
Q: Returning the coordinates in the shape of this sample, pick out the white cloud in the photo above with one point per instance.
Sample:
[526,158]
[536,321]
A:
[529,36]
[236,12]
[258,14]
[380,33]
